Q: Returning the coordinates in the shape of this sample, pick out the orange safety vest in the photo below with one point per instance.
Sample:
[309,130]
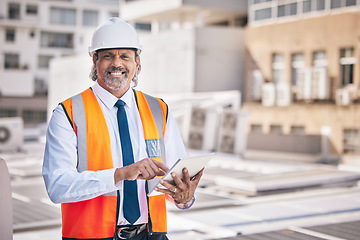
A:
[97,217]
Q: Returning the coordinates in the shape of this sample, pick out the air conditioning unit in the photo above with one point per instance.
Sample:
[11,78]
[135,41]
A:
[232,136]
[202,129]
[303,84]
[11,133]
[320,83]
[342,97]
[256,80]
[268,94]
[352,91]
[282,94]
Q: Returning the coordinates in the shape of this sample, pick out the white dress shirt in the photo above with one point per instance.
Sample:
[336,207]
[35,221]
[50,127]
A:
[65,184]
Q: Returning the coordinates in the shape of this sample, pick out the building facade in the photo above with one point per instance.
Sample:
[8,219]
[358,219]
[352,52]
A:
[31,34]
[302,69]
[190,45]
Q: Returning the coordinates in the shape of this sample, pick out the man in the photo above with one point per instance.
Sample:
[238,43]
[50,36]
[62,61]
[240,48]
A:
[105,143]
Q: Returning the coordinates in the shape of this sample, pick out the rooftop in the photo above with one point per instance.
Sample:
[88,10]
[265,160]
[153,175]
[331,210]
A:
[237,199]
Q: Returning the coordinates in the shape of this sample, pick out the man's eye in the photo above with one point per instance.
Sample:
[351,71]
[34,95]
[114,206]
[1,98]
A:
[107,56]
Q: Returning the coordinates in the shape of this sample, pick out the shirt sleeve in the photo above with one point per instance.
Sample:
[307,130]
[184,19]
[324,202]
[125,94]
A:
[185,206]
[175,149]
[62,180]
[174,145]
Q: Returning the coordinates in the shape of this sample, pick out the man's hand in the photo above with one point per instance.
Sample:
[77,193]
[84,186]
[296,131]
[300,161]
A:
[184,189]
[147,169]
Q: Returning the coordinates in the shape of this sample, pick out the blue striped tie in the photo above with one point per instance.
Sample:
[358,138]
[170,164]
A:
[131,204]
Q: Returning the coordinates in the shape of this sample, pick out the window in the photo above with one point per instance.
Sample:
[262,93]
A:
[63,16]
[10,35]
[307,6]
[281,11]
[350,3]
[320,85]
[31,9]
[113,14]
[347,62]
[143,26]
[297,63]
[90,18]
[287,10]
[319,59]
[342,3]
[261,1]
[14,11]
[320,5]
[297,130]
[34,116]
[350,140]
[11,61]
[293,8]
[277,68]
[262,14]
[60,40]
[7,112]
[256,128]
[335,3]
[43,61]
[40,87]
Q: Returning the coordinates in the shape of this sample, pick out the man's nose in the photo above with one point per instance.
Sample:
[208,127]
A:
[117,61]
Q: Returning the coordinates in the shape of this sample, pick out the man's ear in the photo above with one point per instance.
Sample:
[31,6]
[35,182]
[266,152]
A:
[137,60]
[94,58]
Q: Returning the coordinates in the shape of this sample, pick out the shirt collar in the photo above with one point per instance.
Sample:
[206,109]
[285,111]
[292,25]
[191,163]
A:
[109,100]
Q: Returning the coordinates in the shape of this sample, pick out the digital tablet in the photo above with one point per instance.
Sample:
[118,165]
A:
[193,165]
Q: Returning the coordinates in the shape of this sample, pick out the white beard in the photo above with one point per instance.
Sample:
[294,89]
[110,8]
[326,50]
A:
[116,83]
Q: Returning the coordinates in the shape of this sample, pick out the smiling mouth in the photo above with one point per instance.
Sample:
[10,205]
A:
[117,74]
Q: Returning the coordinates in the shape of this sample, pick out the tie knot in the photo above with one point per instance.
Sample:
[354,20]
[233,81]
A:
[119,103]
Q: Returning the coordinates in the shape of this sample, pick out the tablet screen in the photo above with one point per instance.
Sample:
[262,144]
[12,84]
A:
[193,165]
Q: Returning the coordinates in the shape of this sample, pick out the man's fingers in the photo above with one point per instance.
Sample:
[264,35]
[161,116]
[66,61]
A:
[160,165]
[178,181]
[166,191]
[186,176]
[198,175]
[167,185]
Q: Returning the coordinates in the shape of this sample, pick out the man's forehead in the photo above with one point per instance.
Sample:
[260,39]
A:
[117,50]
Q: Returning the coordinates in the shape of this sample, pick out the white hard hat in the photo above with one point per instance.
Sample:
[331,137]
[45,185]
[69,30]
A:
[114,33]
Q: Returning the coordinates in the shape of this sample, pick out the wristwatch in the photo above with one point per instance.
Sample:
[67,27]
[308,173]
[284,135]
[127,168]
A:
[185,205]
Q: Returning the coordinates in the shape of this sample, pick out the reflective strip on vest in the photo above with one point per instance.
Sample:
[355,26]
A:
[160,119]
[79,117]
[148,107]
[96,218]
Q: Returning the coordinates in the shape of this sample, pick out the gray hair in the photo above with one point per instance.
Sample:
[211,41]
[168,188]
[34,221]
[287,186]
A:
[135,80]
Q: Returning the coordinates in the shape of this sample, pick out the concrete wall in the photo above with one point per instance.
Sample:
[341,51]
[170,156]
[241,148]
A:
[312,116]
[68,76]
[303,144]
[167,61]
[220,59]
[232,5]
[200,59]
[192,12]
[16,83]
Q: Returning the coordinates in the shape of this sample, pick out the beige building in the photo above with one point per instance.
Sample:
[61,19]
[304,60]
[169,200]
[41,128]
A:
[302,69]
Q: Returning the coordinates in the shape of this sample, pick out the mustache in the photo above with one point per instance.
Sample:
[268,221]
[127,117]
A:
[116,69]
